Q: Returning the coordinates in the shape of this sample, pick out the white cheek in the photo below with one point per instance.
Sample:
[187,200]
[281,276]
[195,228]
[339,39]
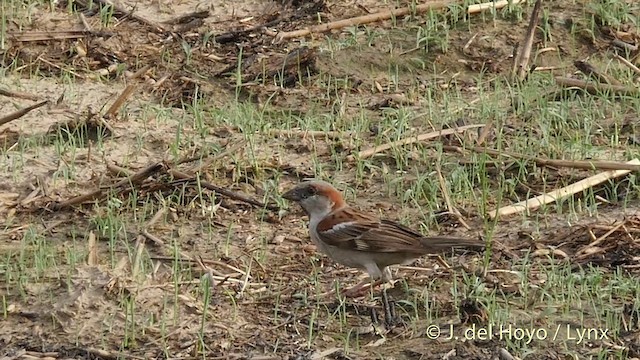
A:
[317,207]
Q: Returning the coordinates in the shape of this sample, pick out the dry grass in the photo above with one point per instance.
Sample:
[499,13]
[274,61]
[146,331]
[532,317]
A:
[201,258]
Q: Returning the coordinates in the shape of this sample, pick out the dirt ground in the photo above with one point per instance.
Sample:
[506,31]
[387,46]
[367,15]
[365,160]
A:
[122,276]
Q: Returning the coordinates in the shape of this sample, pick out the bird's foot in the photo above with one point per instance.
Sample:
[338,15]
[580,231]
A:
[391,319]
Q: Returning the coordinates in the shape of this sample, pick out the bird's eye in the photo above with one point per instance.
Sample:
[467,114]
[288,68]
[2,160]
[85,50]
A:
[310,191]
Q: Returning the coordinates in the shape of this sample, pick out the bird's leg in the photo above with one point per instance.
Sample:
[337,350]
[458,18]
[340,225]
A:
[390,317]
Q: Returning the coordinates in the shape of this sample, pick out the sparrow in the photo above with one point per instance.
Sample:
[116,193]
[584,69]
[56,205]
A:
[359,240]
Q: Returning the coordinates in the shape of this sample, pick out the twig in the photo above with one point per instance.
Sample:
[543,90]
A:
[574,164]
[583,253]
[545,68]
[199,260]
[92,250]
[19,95]
[520,65]
[121,10]
[230,267]
[113,109]
[228,149]
[624,45]
[222,191]
[372,151]
[235,34]
[544,50]
[159,214]
[84,21]
[628,63]
[156,240]
[140,245]
[20,113]
[61,68]
[449,354]
[466,45]
[384,15]
[131,180]
[596,88]
[447,198]
[56,35]
[103,122]
[503,354]
[476,8]
[118,170]
[591,70]
[245,280]
[33,196]
[311,133]
[534,203]
[104,354]
[484,133]
[143,70]
[187,18]
[209,272]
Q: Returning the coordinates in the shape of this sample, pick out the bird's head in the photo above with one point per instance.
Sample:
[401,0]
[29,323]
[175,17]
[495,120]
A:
[318,198]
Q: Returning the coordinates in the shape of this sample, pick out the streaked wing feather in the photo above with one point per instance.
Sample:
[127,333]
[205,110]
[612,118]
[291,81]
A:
[388,237]
[365,233]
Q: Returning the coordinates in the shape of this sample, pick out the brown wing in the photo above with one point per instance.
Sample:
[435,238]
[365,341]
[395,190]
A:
[349,229]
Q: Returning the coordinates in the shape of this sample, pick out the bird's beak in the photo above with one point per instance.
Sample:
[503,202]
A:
[292,195]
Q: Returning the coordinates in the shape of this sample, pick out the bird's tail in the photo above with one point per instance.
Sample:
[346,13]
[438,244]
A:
[440,244]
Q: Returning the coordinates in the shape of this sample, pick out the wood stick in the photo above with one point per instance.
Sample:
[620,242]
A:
[187,18]
[447,199]
[222,191]
[574,164]
[56,35]
[624,45]
[22,112]
[117,170]
[372,151]
[520,65]
[125,12]
[596,88]
[628,63]
[582,253]
[545,68]
[131,180]
[536,202]
[591,70]
[92,250]
[234,35]
[365,19]
[388,14]
[19,95]
[229,149]
[113,109]
[476,8]
[485,132]
[61,68]
[84,21]
[312,133]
